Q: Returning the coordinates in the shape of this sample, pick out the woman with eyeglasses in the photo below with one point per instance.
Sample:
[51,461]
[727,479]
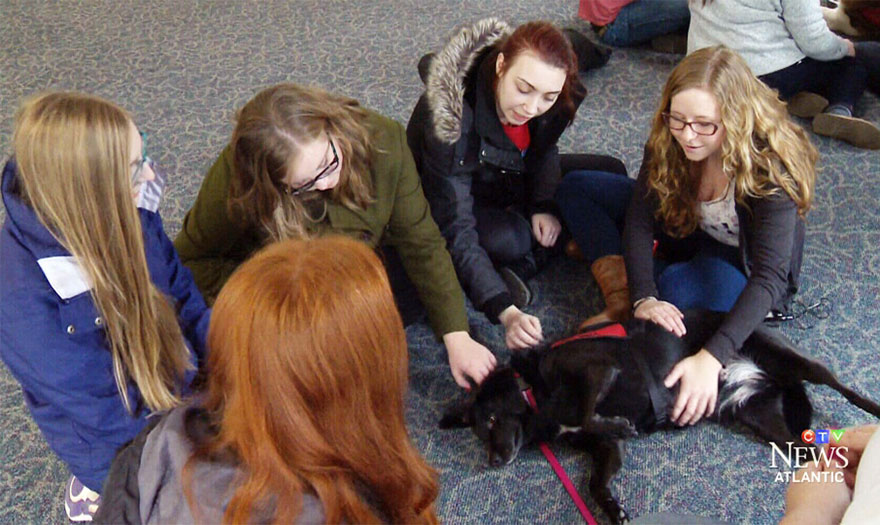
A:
[101,324]
[304,163]
[725,184]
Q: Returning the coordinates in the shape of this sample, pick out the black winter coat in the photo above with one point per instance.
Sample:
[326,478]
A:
[464,156]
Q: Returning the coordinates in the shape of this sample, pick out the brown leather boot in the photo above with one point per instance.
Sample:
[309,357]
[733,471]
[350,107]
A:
[610,274]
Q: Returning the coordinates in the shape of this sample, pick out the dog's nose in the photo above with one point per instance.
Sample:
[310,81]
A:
[494,460]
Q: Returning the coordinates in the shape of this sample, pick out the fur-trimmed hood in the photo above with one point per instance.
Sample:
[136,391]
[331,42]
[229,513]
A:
[446,82]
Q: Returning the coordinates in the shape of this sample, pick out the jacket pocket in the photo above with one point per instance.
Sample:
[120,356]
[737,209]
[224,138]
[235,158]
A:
[79,316]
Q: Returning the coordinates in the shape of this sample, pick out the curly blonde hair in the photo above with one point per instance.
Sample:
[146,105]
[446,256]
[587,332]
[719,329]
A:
[763,151]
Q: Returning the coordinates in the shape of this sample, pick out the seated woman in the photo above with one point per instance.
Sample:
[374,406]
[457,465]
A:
[724,186]
[101,324]
[484,138]
[789,46]
[304,163]
[303,418]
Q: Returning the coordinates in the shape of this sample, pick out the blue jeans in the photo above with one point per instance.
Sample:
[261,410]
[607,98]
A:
[643,20]
[712,279]
[593,205]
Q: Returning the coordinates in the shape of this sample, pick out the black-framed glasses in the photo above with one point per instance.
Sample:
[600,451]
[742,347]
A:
[698,127]
[324,173]
[137,167]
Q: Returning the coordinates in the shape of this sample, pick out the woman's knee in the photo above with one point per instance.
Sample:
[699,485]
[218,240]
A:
[506,238]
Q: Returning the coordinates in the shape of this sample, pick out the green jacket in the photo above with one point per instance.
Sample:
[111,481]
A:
[212,244]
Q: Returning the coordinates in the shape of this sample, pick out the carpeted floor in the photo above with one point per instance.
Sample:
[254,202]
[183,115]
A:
[183,68]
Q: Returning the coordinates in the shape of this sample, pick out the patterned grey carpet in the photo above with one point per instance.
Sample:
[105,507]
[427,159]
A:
[183,68]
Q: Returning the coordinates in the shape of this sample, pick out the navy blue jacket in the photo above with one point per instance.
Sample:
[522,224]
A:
[53,340]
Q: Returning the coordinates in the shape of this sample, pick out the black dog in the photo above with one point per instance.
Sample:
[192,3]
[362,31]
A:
[600,391]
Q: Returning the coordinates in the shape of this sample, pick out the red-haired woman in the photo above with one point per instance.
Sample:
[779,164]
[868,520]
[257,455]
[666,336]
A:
[484,138]
[303,418]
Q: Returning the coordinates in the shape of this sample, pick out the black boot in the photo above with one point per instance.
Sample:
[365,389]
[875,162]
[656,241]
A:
[516,276]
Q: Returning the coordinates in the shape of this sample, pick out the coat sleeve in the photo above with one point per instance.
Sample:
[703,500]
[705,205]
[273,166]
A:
[770,243]
[638,238]
[413,232]
[452,207]
[548,175]
[192,313]
[804,20]
[208,239]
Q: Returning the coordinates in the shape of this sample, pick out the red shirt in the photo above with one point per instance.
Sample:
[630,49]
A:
[519,135]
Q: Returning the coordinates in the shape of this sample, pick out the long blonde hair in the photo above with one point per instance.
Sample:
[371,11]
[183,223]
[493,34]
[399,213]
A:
[307,376]
[72,153]
[267,139]
[763,150]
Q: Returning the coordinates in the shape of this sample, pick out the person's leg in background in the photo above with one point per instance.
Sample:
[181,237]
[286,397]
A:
[507,238]
[644,20]
[869,54]
[593,205]
[841,83]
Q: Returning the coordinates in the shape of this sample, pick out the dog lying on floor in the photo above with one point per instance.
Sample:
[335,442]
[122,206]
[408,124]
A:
[601,390]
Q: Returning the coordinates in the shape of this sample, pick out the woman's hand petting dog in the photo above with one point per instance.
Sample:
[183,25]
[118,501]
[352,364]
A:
[546,229]
[815,502]
[662,313]
[698,390]
[468,358]
[521,330]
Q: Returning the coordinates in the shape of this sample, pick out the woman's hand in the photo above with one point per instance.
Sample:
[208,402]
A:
[663,313]
[546,229]
[521,330]
[855,439]
[468,358]
[815,502]
[698,390]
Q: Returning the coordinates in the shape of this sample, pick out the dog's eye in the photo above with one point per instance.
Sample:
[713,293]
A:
[492,420]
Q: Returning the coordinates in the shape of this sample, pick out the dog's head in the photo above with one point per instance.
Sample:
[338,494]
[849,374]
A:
[498,415]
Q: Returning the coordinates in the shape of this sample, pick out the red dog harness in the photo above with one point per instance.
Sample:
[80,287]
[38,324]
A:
[604,330]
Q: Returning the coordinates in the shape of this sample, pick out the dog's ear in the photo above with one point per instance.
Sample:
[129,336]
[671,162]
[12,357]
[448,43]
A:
[458,416]
[526,365]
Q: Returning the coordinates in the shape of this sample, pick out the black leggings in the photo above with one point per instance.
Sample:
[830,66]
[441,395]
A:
[506,233]
[840,81]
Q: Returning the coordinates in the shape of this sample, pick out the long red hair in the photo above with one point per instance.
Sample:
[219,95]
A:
[307,372]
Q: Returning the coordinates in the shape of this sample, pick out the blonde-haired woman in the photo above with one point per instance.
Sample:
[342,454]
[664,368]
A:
[101,324]
[303,163]
[303,418]
[725,184]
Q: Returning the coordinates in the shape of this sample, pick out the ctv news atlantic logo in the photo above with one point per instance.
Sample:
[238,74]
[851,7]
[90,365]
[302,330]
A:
[829,461]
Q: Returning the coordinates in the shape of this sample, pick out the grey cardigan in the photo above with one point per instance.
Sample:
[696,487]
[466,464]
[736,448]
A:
[769,34]
[145,485]
[771,245]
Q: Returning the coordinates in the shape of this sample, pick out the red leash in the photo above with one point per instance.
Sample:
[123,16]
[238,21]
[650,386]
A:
[608,330]
[559,471]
